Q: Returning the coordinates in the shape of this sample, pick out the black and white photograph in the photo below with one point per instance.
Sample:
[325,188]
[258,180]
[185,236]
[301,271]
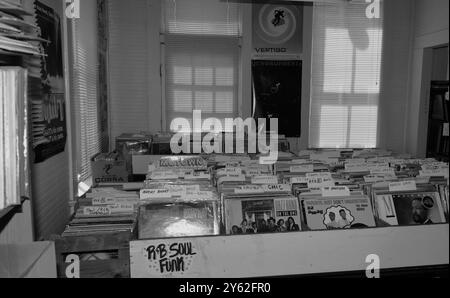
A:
[224,147]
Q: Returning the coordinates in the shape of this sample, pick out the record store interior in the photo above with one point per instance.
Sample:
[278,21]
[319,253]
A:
[221,138]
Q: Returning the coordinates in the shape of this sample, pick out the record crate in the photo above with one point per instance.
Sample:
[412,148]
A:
[105,255]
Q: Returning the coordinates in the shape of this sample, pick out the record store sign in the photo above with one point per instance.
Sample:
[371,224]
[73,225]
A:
[277,29]
[175,258]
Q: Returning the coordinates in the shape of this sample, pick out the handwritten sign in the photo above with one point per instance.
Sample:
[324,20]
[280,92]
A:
[231,178]
[434,173]
[335,191]
[155,194]
[409,185]
[169,257]
[96,210]
[356,167]
[267,179]
[296,180]
[306,168]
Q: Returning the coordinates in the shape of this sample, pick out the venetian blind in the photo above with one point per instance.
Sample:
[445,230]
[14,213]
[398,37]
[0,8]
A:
[84,94]
[201,46]
[345,83]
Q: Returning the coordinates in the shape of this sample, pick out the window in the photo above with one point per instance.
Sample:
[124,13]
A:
[84,97]
[201,48]
[345,84]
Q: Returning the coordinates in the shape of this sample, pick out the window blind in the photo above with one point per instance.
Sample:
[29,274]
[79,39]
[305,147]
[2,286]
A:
[345,82]
[201,46]
[84,95]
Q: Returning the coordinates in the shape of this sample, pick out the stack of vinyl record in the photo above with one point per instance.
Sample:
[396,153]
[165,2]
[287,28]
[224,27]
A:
[104,210]
[178,200]
[17,36]
[14,151]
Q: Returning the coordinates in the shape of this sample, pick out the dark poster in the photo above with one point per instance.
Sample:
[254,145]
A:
[277,89]
[48,110]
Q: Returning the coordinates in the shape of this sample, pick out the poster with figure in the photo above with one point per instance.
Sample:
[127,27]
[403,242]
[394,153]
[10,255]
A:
[277,29]
[277,92]
[49,130]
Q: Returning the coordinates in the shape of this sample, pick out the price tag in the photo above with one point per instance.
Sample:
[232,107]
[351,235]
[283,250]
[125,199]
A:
[155,194]
[335,191]
[402,186]
[96,210]
[267,179]
[306,168]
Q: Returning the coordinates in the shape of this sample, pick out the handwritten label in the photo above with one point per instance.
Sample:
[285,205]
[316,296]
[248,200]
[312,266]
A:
[112,200]
[226,171]
[306,168]
[231,178]
[295,180]
[402,186]
[193,175]
[166,258]
[434,173]
[163,175]
[379,178]
[121,208]
[155,194]
[96,210]
[267,179]
[356,167]
[335,191]
[249,189]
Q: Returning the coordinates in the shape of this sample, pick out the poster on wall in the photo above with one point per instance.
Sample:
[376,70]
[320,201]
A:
[49,130]
[277,29]
[277,90]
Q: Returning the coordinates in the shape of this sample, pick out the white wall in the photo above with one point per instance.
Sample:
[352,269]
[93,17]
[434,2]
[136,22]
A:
[431,29]
[395,73]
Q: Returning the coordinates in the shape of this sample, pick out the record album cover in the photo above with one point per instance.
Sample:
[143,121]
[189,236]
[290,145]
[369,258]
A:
[163,220]
[410,208]
[261,215]
[338,213]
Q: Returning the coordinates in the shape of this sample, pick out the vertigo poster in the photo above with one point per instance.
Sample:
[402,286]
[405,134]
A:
[277,29]
[277,90]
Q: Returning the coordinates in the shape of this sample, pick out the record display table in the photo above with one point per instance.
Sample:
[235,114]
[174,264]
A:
[297,253]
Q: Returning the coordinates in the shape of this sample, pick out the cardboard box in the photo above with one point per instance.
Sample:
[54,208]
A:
[108,170]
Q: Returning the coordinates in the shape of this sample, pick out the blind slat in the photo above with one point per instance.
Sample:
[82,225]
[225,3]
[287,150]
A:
[201,58]
[345,83]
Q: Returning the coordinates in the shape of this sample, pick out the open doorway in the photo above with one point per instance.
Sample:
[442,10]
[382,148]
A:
[438,141]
